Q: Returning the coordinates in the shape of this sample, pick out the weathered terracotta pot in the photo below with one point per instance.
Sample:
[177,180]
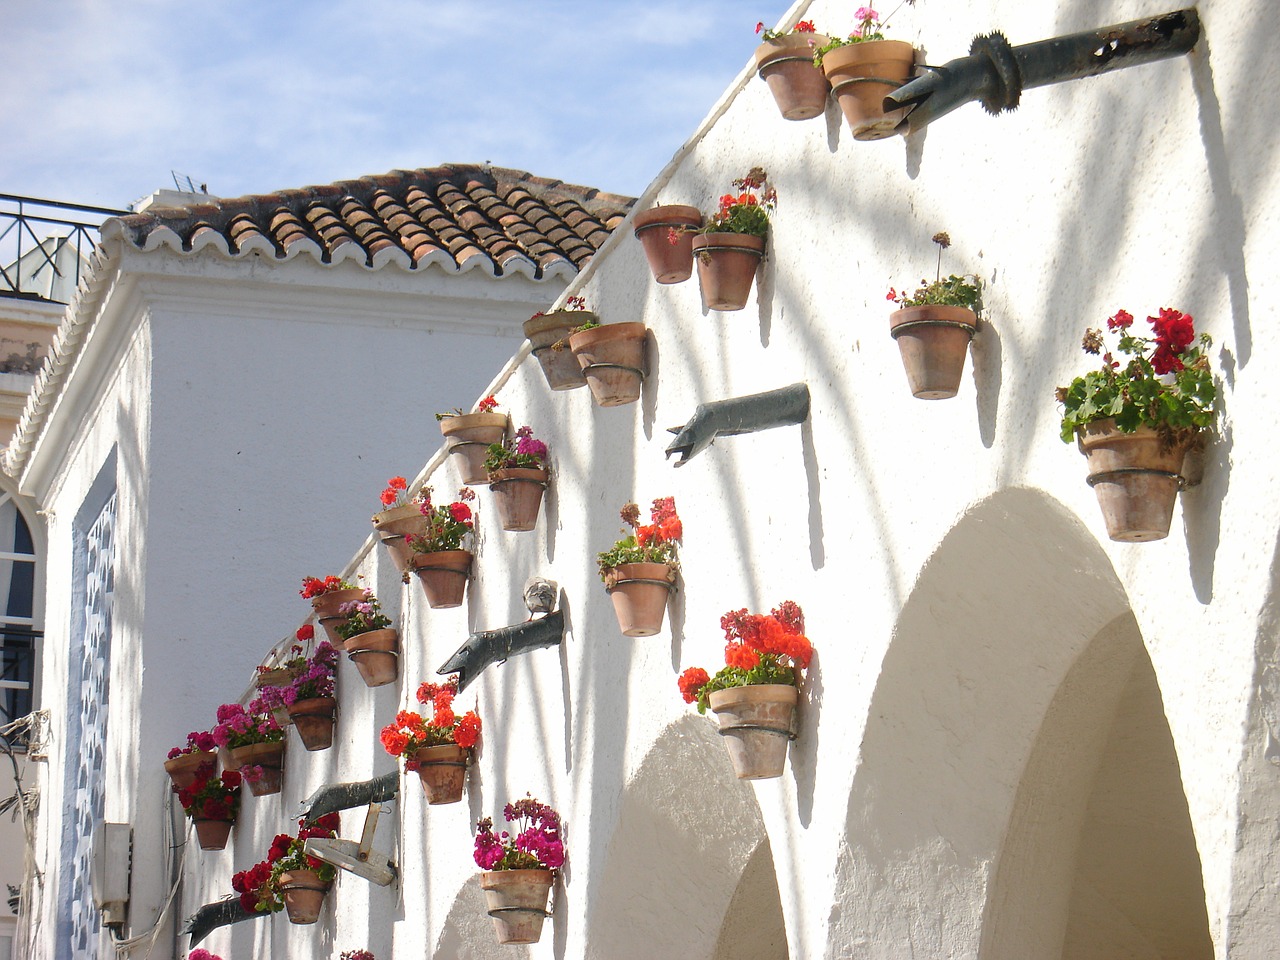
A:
[444,576]
[727,265]
[799,88]
[549,331]
[212,834]
[670,262]
[933,340]
[394,525]
[757,723]
[1135,477]
[639,592]
[182,770]
[516,901]
[517,494]
[861,76]
[268,756]
[314,720]
[279,677]
[376,655]
[443,772]
[326,607]
[612,359]
[469,437]
[303,893]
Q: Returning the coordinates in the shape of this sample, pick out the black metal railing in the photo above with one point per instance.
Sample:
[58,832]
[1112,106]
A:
[44,243]
[18,649]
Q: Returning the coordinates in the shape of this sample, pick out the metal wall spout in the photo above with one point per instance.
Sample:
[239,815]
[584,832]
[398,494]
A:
[493,646]
[726,418]
[333,797]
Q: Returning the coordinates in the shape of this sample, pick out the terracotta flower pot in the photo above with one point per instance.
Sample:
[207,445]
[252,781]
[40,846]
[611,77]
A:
[469,436]
[326,607]
[517,493]
[182,769]
[727,265]
[303,893]
[612,359]
[270,757]
[1135,477]
[639,592]
[213,834]
[549,334]
[670,262]
[443,772]
[394,525]
[314,720]
[799,88]
[375,654]
[757,723]
[516,900]
[444,576]
[279,677]
[861,76]
[933,340]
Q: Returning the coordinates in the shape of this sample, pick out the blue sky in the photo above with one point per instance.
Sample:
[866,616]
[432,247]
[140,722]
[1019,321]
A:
[101,100]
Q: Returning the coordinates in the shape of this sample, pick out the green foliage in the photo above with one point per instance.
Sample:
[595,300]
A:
[953,291]
[768,670]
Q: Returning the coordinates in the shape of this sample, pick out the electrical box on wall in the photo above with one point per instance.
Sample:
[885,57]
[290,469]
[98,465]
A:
[109,871]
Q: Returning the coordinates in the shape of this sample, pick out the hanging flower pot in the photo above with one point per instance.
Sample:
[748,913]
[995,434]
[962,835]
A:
[516,901]
[212,801]
[444,575]
[611,357]
[517,494]
[439,749]
[757,723]
[261,765]
[727,265]
[326,597]
[376,655]
[314,719]
[394,525]
[933,340]
[212,834]
[861,76]
[182,769]
[443,772]
[303,893]
[639,592]
[439,558]
[469,435]
[785,63]
[548,334]
[1135,476]
[666,233]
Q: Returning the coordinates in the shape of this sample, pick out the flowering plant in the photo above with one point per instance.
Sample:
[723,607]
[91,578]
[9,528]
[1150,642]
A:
[200,953]
[870,27]
[410,732]
[536,845]
[356,955]
[1166,384]
[804,26]
[762,648]
[523,451]
[238,727]
[743,212]
[258,886]
[447,525]
[362,616]
[313,676]
[313,586]
[197,742]
[955,291]
[396,494]
[654,542]
[487,405]
[211,797]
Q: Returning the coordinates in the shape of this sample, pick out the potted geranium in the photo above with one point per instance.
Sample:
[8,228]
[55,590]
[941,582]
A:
[289,879]
[517,476]
[666,234]
[439,749]
[1136,420]
[183,762]
[255,742]
[440,556]
[519,867]
[731,244]
[212,801]
[755,694]
[862,68]
[326,596]
[469,434]
[933,327]
[399,517]
[547,332]
[611,356]
[370,641]
[639,570]
[309,697]
[785,62]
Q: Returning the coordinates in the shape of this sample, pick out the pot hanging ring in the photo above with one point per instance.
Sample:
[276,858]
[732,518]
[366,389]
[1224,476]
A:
[764,728]
[1096,478]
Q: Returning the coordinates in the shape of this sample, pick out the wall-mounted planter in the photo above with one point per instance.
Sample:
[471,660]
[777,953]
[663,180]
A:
[517,495]
[655,228]
[547,330]
[182,769]
[786,64]
[444,576]
[443,772]
[394,525]
[757,722]
[516,901]
[376,655]
[326,607]
[212,834]
[314,720]
[267,763]
[612,359]
[727,265]
[303,894]
[933,340]
[861,75]
[469,436]
[639,592]
[1135,477]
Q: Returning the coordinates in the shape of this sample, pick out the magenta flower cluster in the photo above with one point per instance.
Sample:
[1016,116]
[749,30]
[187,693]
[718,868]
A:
[536,844]
[238,727]
[529,446]
[198,741]
[315,676]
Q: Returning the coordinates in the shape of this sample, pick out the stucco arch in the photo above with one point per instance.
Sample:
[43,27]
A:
[688,852]
[994,732]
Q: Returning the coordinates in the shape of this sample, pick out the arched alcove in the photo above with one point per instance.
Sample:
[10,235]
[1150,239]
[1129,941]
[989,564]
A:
[1015,741]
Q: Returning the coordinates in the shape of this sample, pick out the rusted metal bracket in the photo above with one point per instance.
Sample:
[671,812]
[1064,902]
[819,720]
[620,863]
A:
[995,73]
[727,418]
[220,913]
[494,646]
[333,797]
